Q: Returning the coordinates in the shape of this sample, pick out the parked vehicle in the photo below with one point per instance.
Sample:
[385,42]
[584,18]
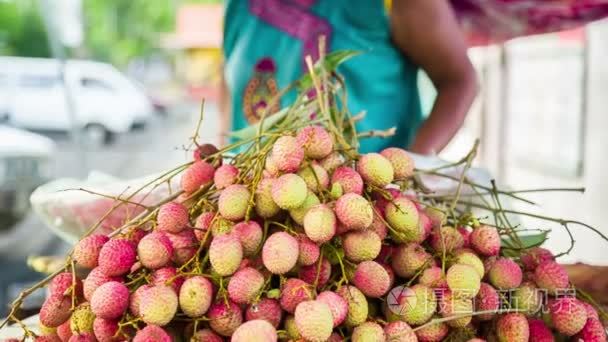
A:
[106,102]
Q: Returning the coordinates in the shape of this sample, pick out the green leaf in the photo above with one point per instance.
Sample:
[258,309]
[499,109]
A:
[330,63]
[528,240]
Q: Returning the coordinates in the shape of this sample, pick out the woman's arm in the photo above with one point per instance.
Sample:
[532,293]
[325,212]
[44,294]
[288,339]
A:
[427,32]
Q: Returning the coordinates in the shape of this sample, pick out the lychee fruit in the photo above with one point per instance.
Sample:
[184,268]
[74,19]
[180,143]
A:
[505,274]
[354,211]
[84,337]
[375,169]
[293,293]
[463,280]
[61,285]
[287,154]
[265,206]
[155,250]
[185,245]
[450,305]
[86,251]
[332,162]
[361,245]
[349,180]
[196,175]
[415,305]
[539,332]
[315,177]
[289,191]
[337,305]
[106,329]
[378,226]
[172,217]
[203,151]
[568,315]
[403,165]
[399,332]
[527,298]
[485,240]
[535,256]
[591,312]
[372,279]
[220,225]
[409,259]
[487,299]
[314,320]
[195,296]
[551,276]
[402,215]
[368,331]
[225,176]
[280,253]
[250,235]
[291,328]
[446,239]
[206,335]
[437,215]
[298,214]
[82,319]
[316,141]
[245,285]
[320,223]
[158,305]
[110,300]
[266,309]
[255,331]
[64,332]
[225,254]
[433,333]
[592,331]
[225,318]
[55,311]
[309,273]
[167,276]
[512,327]
[152,333]
[309,251]
[93,280]
[467,257]
[433,277]
[357,305]
[233,202]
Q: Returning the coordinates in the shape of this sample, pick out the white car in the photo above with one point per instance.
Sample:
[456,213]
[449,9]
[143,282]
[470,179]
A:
[105,101]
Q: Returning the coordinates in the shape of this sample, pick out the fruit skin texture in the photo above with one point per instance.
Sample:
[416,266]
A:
[463,280]
[294,292]
[184,245]
[403,165]
[225,175]
[399,332]
[289,191]
[314,320]
[110,300]
[485,240]
[95,278]
[105,330]
[84,337]
[332,162]
[223,319]
[167,276]
[206,335]
[55,311]
[551,276]
[337,305]
[158,305]
[417,304]
[539,332]
[264,204]
[348,179]
[453,305]
[309,251]
[354,211]
[287,154]
[372,279]
[568,315]
[152,333]
[433,333]
[299,213]
[468,257]
[267,309]
[245,285]
[368,331]
[255,331]
[280,253]
[403,216]
[225,254]
[172,217]
[195,296]
[512,327]
[487,299]
[196,175]
[233,202]
[82,319]
[409,258]
[375,169]
[357,305]
[361,246]
[534,257]
[250,235]
[315,177]
[155,250]
[320,223]
[505,274]
[86,251]
[135,298]
[62,282]
[316,141]
[446,239]
[64,332]
[527,298]
[592,331]
[433,277]
[309,273]
[116,257]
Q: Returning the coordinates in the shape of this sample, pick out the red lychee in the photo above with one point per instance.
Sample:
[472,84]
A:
[348,179]
[316,141]
[86,251]
[196,175]
[172,217]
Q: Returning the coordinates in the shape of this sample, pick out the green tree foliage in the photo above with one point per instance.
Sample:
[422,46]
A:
[22,31]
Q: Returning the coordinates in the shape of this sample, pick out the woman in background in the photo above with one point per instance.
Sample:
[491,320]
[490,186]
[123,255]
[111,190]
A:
[266,41]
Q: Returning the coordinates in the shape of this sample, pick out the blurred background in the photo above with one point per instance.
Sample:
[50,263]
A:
[115,86]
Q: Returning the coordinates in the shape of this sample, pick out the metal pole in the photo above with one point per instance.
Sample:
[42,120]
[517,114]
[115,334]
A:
[58,53]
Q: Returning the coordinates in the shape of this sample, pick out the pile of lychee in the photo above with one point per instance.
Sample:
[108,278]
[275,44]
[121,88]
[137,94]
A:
[319,246]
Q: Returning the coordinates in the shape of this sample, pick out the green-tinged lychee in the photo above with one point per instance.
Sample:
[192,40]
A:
[82,319]
[195,296]
[265,206]
[221,225]
[527,298]
[280,253]
[433,277]
[568,315]
[433,333]
[485,240]
[289,191]
[287,154]
[505,274]
[551,276]
[291,328]
[463,280]
[403,165]
[335,191]
[299,213]
[315,176]
[446,239]
[255,331]
[512,327]
[468,257]
[86,251]
[368,332]
[437,215]
[451,305]
[245,285]
[354,211]
[349,180]
[233,202]
[337,305]
[158,305]
[361,245]
[357,305]
[592,331]
[402,215]
[375,169]
[155,250]
[414,305]
[225,254]
[399,332]
[314,320]
[408,259]
[487,300]
[372,279]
